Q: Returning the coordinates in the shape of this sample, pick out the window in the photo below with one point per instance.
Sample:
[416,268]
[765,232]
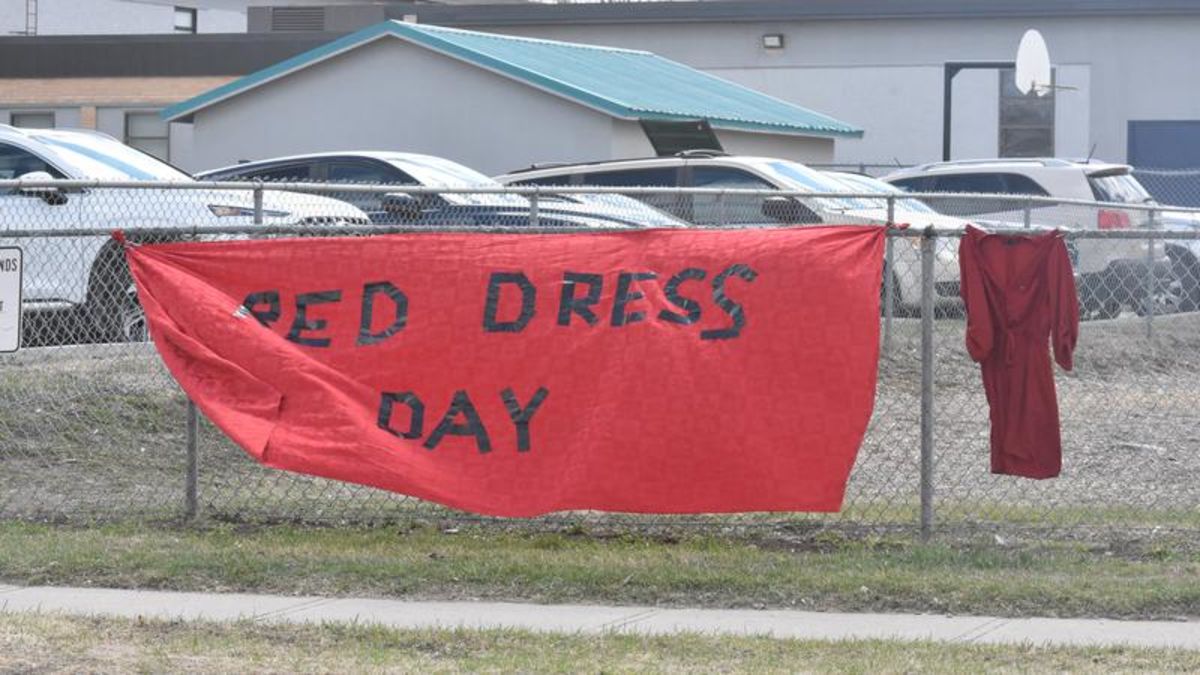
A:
[16,162]
[370,173]
[185,20]
[656,177]
[33,120]
[989,183]
[361,172]
[545,180]
[1026,120]
[919,184]
[986,183]
[147,132]
[728,209]
[292,173]
[1119,187]
[666,176]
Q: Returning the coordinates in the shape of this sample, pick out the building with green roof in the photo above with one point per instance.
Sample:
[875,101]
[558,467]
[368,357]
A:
[494,102]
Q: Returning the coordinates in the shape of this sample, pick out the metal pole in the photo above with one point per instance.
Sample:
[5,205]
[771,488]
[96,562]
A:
[534,216]
[889,284]
[948,73]
[190,503]
[928,243]
[1028,213]
[1151,282]
[258,204]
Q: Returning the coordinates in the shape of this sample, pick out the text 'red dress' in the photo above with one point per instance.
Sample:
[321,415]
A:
[1019,292]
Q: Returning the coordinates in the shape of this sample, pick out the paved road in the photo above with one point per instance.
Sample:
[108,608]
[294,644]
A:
[598,618]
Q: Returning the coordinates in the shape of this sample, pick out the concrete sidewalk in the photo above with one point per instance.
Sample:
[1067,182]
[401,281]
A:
[597,618]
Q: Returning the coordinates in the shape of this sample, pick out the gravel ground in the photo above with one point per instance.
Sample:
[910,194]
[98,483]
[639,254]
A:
[98,432]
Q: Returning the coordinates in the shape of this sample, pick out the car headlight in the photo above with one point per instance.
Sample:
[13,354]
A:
[222,211]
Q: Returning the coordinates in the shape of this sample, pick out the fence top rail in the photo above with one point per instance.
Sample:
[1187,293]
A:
[251,231]
[1018,201]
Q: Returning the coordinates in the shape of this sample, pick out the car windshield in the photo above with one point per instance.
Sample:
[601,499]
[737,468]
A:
[856,183]
[798,177]
[103,158]
[443,173]
[1119,187]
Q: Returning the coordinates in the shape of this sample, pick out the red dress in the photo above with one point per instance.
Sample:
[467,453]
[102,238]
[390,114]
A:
[1019,292]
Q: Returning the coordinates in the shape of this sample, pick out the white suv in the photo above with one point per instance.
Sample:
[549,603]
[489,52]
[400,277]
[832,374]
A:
[86,276]
[1111,273]
[707,169]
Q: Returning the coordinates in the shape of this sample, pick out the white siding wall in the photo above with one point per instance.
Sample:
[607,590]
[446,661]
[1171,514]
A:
[800,148]
[392,96]
[886,75]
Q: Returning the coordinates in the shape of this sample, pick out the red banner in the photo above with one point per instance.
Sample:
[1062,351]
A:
[680,371]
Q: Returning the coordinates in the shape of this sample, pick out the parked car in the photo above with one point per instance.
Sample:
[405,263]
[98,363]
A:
[1111,274]
[87,275]
[708,169]
[442,208]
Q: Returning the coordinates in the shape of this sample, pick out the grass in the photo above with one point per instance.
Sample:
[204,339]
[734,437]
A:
[44,642]
[826,573]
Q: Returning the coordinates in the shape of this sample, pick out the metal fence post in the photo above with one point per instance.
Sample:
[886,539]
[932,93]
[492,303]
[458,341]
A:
[191,489]
[534,216]
[1151,280]
[889,284]
[1028,215]
[928,244]
[258,203]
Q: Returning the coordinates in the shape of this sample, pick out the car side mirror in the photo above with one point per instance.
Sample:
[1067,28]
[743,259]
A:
[789,210]
[402,205]
[51,195]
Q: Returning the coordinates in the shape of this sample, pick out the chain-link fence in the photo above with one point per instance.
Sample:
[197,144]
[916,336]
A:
[1175,187]
[93,427]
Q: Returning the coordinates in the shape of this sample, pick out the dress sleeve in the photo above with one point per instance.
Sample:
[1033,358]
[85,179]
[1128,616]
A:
[980,330]
[1064,305]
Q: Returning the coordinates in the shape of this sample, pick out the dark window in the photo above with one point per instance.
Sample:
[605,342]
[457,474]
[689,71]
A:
[292,173]
[33,120]
[990,183]
[292,19]
[366,172]
[656,177]
[987,183]
[15,162]
[370,173]
[653,177]
[544,180]
[727,209]
[1016,184]
[918,184]
[185,20]
[1026,120]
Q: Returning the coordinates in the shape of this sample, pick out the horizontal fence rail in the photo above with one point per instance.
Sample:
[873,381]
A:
[92,426]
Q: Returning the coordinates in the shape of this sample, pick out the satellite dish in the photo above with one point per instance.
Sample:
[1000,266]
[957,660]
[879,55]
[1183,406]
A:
[1033,64]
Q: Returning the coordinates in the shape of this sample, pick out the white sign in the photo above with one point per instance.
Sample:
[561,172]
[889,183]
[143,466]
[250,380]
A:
[10,299]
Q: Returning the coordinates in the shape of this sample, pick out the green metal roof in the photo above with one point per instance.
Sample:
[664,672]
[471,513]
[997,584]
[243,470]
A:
[624,83]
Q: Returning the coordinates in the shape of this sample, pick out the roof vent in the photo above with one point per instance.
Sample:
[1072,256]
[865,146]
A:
[297,19]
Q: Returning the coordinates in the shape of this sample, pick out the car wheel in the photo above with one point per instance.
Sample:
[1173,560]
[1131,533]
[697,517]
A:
[116,315]
[1167,295]
[1185,270]
[898,308]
